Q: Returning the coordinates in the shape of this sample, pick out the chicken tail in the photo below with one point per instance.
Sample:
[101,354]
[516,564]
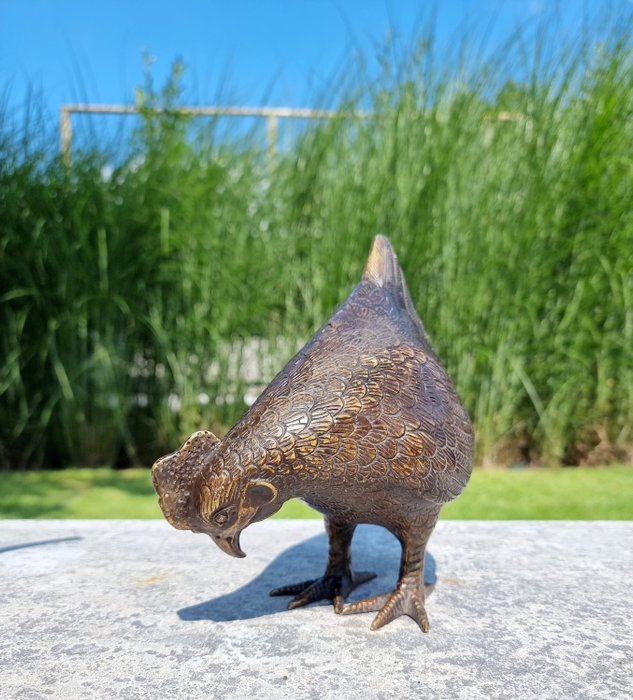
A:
[382,265]
[382,269]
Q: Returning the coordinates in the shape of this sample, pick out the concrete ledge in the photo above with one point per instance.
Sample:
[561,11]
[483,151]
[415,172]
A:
[105,609]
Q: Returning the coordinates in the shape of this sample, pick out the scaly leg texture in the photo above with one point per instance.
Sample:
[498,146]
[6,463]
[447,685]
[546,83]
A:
[339,580]
[408,596]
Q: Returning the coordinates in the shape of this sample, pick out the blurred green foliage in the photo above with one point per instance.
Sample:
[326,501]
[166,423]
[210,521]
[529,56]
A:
[152,291]
[582,493]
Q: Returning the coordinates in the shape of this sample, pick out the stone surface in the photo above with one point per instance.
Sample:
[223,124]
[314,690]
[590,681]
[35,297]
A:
[116,609]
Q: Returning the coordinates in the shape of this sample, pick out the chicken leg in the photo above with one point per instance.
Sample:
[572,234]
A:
[408,596]
[339,580]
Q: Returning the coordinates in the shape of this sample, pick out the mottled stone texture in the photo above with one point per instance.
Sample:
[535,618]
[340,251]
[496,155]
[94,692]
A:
[139,610]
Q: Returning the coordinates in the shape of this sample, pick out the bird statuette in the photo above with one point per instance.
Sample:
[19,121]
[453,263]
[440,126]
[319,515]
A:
[363,424]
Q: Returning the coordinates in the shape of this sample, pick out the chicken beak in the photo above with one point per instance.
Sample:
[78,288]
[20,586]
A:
[230,545]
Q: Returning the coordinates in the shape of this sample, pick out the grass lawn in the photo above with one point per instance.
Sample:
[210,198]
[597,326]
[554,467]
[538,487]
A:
[527,494]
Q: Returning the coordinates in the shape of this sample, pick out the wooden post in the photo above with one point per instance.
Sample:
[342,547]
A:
[65,133]
[272,133]
[272,115]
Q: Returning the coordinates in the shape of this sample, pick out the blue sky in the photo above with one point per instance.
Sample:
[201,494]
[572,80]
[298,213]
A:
[241,51]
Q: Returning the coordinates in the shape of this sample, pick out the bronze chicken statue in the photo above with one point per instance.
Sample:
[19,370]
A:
[363,424]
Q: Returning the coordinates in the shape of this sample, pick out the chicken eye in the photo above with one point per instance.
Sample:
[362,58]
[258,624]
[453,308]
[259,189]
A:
[222,517]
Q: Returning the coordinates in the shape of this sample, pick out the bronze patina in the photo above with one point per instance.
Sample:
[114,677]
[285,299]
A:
[363,424]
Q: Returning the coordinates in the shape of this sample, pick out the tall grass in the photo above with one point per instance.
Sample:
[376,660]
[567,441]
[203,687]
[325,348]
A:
[143,301]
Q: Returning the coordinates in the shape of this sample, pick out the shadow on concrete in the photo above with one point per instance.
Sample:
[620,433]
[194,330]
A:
[373,549]
[39,543]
